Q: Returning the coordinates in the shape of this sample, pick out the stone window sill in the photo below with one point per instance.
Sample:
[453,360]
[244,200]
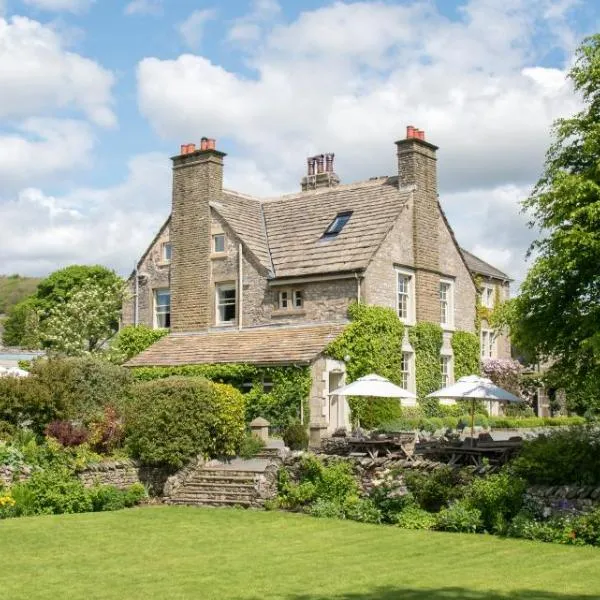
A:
[286,312]
[218,255]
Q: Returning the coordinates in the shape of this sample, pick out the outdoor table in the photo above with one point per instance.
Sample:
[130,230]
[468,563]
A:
[373,447]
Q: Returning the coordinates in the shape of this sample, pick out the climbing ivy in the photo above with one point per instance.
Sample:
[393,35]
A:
[275,393]
[465,347]
[371,343]
[426,339]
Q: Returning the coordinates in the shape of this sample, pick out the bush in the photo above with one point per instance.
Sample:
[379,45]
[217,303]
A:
[530,422]
[81,388]
[251,445]
[363,510]
[132,340]
[326,509]
[557,530]
[295,437]
[433,424]
[26,401]
[587,528]
[107,432]
[374,412]
[498,497]
[562,457]
[459,517]
[389,502]
[106,497]
[67,434]
[135,494]
[415,518]
[51,491]
[437,489]
[171,420]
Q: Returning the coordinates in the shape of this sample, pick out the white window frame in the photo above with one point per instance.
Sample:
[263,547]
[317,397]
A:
[163,252]
[488,295]
[407,371]
[449,324]
[155,313]
[214,243]
[410,317]
[487,342]
[447,361]
[225,287]
[287,299]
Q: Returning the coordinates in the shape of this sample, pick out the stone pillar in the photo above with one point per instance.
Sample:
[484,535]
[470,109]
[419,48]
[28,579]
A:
[197,181]
[317,431]
[260,428]
[417,166]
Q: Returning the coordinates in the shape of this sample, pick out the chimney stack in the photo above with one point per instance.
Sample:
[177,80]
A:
[417,167]
[197,181]
[320,172]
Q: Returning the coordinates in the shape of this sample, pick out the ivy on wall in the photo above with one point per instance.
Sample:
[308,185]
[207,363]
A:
[465,347]
[371,343]
[426,339]
[279,394]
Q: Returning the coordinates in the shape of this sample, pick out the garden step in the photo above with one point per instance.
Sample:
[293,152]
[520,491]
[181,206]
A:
[222,487]
[202,497]
[185,502]
[201,477]
[227,474]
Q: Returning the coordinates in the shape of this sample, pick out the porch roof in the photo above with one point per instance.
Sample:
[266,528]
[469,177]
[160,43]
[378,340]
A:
[269,345]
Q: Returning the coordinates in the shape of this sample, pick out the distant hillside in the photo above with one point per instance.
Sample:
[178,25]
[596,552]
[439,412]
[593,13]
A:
[14,288]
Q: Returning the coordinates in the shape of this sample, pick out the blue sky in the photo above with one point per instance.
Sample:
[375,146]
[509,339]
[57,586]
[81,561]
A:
[96,95]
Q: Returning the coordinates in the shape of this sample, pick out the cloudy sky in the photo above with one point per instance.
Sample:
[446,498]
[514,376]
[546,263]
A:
[97,95]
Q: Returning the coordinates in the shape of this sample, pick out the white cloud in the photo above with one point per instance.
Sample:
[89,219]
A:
[74,6]
[108,226]
[42,150]
[144,7]
[250,27]
[349,77]
[39,76]
[192,29]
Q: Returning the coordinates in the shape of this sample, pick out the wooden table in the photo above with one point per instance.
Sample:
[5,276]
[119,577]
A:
[374,447]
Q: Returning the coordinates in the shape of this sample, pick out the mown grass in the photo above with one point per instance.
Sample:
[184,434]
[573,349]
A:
[177,552]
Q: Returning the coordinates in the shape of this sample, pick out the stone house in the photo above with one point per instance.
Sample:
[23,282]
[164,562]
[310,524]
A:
[268,281]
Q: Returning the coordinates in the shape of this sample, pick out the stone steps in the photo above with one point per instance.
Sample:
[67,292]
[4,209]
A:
[214,486]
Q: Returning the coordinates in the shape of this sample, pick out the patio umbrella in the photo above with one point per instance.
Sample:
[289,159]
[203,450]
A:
[473,387]
[373,386]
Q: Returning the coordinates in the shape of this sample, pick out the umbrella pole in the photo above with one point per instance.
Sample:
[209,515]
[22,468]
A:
[472,419]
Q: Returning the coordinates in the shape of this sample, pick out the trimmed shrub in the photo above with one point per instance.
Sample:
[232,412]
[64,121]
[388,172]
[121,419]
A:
[561,457]
[171,420]
[459,517]
[131,340]
[414,517]
[26,401]
[106,497]
[67,434]
[498,498]
[295,437]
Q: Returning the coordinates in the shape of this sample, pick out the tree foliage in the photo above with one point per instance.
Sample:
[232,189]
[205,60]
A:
[557,315]
[132,340]
[25,322]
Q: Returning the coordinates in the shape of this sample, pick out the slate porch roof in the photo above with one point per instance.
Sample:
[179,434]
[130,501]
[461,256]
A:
[269,345]
[476,265]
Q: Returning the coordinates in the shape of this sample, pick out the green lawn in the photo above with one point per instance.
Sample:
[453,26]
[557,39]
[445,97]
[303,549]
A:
[202,554]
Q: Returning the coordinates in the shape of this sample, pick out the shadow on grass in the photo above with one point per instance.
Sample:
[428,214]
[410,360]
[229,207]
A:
[454,593]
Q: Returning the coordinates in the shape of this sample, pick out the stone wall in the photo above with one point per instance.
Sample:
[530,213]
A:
[565,499]
[154,273]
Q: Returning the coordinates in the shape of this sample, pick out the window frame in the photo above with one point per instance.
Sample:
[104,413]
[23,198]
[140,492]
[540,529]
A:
[164,253]
[287,299]
[488,301]
[410,317]
[489,345]
[222,287]
[334,228]
[214,243]
[446,370]
[407,375]
[155,311]
[449,324]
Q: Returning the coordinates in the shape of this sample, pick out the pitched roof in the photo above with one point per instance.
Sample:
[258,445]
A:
[296,223]
[270,345]
[476,265]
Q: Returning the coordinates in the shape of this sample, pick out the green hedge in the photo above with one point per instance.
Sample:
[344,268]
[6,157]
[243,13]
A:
[275,393]
[426,339]
[172,420]
[528,422]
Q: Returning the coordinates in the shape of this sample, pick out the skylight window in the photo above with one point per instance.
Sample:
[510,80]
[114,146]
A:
[338,223]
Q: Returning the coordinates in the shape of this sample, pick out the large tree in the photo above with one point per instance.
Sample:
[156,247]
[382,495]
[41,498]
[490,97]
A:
[557,315]
[25,319]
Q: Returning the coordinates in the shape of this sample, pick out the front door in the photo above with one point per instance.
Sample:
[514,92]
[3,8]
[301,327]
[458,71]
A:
[337,404]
